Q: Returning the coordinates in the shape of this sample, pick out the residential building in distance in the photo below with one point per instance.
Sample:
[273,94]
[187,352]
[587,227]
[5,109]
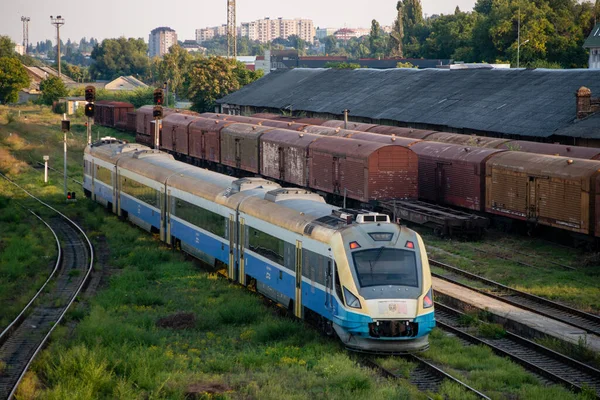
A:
[346,34]
[593,44]
[266,30]
[160,41]
[322,33]
[204,34]
[20,49]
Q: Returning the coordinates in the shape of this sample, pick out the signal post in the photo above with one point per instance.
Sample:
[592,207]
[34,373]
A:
[157,113]
[90,108]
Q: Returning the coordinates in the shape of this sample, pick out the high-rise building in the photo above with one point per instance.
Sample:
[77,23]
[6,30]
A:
[265,30]
[322,33]
[160,41]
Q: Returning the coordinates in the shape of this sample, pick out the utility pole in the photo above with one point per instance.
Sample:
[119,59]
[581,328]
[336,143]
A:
[519,39]
[25,21]
[58,22]
[66,127]
[231,29]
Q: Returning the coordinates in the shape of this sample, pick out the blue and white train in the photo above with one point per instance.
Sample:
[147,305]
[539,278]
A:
[354,272]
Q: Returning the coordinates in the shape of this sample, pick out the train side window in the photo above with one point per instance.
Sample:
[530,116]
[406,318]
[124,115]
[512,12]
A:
[266,245]
[198,216]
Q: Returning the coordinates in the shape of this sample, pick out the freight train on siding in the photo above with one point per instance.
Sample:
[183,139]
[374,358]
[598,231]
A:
[539,183]
[355,273]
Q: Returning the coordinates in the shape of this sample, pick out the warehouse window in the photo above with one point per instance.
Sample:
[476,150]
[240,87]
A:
[104,175]
[266,245]
[140,191]
[197,216]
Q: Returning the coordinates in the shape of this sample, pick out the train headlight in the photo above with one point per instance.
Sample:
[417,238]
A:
[428,299]
[351,300]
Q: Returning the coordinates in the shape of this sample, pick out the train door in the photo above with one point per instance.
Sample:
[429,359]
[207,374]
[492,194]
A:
[335,171]
[93,175]
[532,203]
[163,209]
[116,187]
[232,239]
[238,153]
[329,285]
[241,247]
[298,294]
[281,164]
[168,210]
[203,146]
[174,141]
[440,182]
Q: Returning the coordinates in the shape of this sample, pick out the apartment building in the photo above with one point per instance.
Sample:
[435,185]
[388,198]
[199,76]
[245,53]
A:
[160,41]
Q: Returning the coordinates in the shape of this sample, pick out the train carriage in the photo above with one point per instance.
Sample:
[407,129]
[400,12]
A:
[352,126]
[467,140]
[205,140]
[355,272]
[554,191]
[552,149]
[175,134]
[362,170]
[402,132]
[240,146]
[285,156]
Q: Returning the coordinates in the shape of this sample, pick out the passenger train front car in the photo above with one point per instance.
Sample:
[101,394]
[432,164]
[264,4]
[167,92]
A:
[352,272]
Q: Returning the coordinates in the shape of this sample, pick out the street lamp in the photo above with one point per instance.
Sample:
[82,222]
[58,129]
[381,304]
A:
[519,44]
[57,22]
[519,50]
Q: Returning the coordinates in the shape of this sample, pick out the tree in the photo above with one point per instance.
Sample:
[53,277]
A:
[330,45]
[212,78]
[397,35]
[342,65]
[13,77]
[52,89]
[7,47]
[120,57]
[377,41]
[174,69]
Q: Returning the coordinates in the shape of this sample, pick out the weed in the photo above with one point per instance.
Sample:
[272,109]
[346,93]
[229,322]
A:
[468,319]
[2,367]
[275,330]
[491,331]
[74,273]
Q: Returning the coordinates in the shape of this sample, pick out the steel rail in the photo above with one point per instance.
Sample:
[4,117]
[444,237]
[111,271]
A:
[60,172]
[73,296]
[543,362]
[571,316]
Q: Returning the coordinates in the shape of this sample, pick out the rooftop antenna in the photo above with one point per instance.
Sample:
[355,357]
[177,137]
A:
[25,21]
[231,29]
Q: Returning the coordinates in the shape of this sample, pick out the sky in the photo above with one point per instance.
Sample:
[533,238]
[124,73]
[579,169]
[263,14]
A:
[113,18]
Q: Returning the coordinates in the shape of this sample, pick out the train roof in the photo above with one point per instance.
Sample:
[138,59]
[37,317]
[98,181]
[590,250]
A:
[544,165]
[109,148]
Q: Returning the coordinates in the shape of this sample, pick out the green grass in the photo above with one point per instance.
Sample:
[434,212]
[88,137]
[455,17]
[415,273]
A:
[579,289]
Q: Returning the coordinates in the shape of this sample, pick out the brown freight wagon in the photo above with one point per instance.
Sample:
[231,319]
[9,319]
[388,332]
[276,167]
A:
[547,190]
[112,113]
[131,120]
[377,138]
[452,175]
[403,132]
[365,171]
[256,121]
[326,130]
[352,126]
[174,132]
[205,140]
[552,149]
[297,120]
[240,146]
[145,124]
[285,155]
[467,140]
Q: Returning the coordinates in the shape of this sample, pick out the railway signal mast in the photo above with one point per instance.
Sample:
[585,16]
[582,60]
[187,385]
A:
[90,109]
[157,113]
[231,29]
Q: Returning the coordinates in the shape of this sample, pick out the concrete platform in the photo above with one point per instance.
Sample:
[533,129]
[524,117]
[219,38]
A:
[512,318]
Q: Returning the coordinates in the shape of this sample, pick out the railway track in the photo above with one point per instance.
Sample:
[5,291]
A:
[577,318]
[426,376]
[513,259]
[58,172]
[546,363]
[28,333]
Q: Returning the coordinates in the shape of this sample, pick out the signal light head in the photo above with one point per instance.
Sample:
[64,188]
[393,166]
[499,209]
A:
[354,246]
[410,245]
[69,196]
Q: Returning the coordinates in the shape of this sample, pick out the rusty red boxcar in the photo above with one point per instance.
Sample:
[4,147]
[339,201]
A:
[452,175]
[285,155]
[466,140]
[546,190]
[240,146]
[404,132]
[553,149]
[205,139]
[174,132]
[365,171]
[353,126]
[377,138]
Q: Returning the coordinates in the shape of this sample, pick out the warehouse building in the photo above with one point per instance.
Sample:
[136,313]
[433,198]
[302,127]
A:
[538,104]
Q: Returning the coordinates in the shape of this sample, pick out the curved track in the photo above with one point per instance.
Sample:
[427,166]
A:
[546,363]
[29,332]
[577,318]
[426,376]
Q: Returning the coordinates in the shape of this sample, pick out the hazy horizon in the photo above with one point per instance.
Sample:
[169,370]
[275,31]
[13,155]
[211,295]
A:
[114,19]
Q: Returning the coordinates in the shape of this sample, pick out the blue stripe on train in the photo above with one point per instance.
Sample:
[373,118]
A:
[141,210]
[201,241]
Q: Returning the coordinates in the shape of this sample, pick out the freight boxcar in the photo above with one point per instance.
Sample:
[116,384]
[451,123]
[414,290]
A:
[205,140]
[285,155]
[377,138]
[256,121]
[353,126]
[145,124]
[298,120]
[452,175]
[403,132]
[112,113]
[553,149]
[364,171]
[326,130]
[555,191]
[174,133]
[466,140]
[131,121]
[240,146]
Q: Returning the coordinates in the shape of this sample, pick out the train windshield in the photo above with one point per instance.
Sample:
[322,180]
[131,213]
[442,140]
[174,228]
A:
[386,266]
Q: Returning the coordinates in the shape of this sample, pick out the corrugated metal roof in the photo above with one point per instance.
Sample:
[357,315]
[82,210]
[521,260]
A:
[506,101]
